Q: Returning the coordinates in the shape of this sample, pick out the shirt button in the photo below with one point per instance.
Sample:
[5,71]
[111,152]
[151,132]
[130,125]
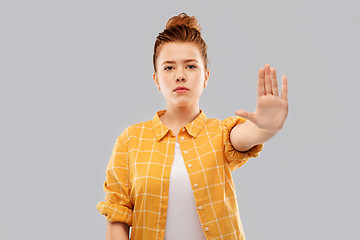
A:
[195,185]
[200,207]
[189,165]
[185,152]
[182,138]
[183,130]
[206,229]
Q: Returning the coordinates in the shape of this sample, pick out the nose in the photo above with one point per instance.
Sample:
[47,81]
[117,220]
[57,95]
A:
[180,77]
[180,74]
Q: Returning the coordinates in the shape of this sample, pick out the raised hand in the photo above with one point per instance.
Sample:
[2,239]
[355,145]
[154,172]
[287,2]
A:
[271,109]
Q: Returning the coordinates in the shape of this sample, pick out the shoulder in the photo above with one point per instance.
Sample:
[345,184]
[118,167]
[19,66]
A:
[138,128]
[212,125]
[225,125]
[229,120]
[232,121]
[213,122]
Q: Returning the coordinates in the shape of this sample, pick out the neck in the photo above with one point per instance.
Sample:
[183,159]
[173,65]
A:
[180,115]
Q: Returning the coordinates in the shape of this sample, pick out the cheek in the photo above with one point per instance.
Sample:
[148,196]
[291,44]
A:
[199,78]
[198,74]
[164,81]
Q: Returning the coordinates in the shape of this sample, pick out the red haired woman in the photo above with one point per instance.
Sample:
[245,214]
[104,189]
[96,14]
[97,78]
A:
[170,177]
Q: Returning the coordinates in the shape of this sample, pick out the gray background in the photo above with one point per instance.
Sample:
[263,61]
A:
[75,73]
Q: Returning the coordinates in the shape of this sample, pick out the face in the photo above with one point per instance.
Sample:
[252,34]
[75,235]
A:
[180,64]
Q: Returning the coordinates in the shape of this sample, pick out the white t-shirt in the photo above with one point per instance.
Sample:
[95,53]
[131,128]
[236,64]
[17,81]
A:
[182,220]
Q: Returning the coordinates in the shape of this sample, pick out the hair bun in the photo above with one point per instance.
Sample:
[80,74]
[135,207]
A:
[183,19]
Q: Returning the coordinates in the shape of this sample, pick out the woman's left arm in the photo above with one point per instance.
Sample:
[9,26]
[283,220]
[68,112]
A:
[269,116]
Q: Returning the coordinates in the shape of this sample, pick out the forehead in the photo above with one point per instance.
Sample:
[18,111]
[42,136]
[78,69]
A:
[176,51]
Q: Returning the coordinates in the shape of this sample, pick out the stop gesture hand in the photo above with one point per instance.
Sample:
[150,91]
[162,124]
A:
[271,109]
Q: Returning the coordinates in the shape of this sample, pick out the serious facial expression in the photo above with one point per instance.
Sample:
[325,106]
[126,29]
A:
[180,64]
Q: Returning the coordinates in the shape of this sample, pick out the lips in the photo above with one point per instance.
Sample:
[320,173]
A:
[181,88]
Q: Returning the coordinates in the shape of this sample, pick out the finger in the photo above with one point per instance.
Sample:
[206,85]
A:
[267,80]
[284,88]
[245,114]
[261,82]
[274,82]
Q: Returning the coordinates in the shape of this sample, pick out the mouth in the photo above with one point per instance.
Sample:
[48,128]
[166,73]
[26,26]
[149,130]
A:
[181,89]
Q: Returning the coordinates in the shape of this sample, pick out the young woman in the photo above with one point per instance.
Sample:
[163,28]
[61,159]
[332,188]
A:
[170,177]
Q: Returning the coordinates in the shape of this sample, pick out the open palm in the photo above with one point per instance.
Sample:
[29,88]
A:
[271,109]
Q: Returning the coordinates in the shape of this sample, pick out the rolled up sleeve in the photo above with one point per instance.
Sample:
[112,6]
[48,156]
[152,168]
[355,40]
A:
[117,206]
[234,157]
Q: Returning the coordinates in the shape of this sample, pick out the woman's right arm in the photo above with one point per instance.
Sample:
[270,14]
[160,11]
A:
[117,231]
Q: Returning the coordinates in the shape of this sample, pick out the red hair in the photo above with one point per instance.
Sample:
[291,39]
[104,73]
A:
[181,28]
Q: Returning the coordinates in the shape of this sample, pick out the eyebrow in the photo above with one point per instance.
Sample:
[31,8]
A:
[185,61]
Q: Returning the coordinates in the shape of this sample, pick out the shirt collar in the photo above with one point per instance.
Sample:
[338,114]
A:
[193,128]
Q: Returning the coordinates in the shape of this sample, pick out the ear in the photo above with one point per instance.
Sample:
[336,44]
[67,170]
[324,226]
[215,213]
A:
[207,74]
[156,81]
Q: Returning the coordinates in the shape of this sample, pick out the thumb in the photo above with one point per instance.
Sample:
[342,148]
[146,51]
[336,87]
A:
[245,114]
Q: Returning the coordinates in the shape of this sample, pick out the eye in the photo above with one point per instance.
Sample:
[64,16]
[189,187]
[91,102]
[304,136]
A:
[167,68]
[192,66]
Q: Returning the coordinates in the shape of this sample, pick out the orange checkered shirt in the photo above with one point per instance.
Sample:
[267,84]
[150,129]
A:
[138,173]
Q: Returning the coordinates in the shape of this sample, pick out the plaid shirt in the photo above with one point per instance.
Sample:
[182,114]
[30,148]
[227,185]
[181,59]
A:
[138,173]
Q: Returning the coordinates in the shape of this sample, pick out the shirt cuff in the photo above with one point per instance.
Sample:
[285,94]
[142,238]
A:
[234,157]
[115,212]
